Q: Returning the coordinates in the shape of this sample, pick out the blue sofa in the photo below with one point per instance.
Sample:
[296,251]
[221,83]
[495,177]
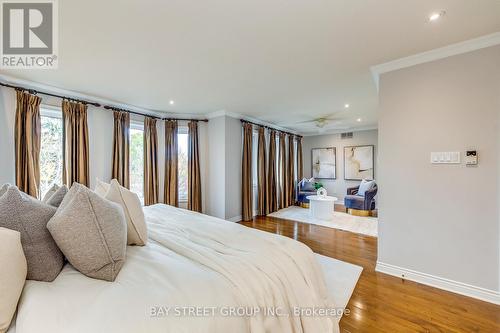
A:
[304,189]
[360,205]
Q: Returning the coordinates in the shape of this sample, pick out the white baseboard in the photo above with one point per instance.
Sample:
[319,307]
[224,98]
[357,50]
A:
[483,294]
[235,218]
[240,217]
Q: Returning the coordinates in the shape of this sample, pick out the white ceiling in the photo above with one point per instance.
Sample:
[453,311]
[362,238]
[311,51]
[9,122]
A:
[281,61]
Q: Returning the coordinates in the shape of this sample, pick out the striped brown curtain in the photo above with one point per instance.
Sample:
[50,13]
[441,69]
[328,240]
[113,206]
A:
[150,162]
[246,173]
[121,143]
[27,135]
[261,173]
[76,143]
[291,170]
[171,195]
[194,179]
[300,172]
[283,173]
[272,192]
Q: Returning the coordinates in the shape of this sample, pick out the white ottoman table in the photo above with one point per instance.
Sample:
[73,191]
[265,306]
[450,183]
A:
[321,207]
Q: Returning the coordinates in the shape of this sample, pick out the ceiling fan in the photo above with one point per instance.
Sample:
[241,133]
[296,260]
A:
[325,123]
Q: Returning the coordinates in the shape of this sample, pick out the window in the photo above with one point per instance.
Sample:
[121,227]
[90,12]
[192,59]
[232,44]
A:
[137,159]
[51,149]
[182,151]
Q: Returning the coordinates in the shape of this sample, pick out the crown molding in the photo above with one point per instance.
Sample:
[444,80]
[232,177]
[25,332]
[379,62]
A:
[215,114]
[70,93]
[161,114]
[257,121]
[332,132]
[435,54]
[183,115]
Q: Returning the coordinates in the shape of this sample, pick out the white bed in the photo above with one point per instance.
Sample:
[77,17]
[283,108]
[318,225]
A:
[192,263]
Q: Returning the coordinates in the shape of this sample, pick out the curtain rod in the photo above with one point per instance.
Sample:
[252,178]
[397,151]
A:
[271,128]
[34,92]
[107,107]
[186,119]
[112,108]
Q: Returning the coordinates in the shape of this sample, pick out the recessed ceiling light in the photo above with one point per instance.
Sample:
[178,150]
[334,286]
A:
[436,16]
[358,120]
[346,106]
[171,102]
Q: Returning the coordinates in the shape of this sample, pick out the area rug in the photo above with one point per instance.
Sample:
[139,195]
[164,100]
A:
[341,278]
[360,225]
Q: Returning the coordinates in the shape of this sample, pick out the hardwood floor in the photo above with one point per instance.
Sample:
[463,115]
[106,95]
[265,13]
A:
[383,303]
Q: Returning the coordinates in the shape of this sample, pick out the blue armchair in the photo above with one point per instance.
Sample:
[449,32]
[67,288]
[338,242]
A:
[360,205]
[304,189]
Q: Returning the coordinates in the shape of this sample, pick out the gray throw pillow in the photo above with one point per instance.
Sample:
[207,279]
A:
[30,216]
[91,232]
[58,196]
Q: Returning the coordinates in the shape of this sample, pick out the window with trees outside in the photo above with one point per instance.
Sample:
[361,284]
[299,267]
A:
[137,158]
[51,154]
[182,149]
[51,148]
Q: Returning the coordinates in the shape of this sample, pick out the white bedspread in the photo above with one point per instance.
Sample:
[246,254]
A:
[194,273]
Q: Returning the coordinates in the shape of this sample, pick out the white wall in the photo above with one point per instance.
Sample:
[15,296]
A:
[7,120]
[100,124]
[216,199]
[442,220]
[337,187]
[233,168]
[224,168]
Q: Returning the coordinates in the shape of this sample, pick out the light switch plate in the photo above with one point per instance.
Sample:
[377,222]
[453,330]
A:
[450,157]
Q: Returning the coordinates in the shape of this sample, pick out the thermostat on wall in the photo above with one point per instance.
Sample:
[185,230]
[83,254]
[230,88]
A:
[471,157]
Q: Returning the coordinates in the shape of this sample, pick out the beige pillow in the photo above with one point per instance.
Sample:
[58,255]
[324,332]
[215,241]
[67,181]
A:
[53,189]
[91,232]
[57,197]
[101,187]
[4,189]
[13,270]
[137,233]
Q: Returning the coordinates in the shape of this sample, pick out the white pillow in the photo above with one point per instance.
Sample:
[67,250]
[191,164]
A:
[137,232]
[365,185]
[101,187]
[12,275]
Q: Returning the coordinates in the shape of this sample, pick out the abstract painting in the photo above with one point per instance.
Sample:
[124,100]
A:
[324,163]
[358,162]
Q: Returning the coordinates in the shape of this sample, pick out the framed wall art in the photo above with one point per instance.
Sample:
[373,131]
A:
[359,162]
[324,163]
